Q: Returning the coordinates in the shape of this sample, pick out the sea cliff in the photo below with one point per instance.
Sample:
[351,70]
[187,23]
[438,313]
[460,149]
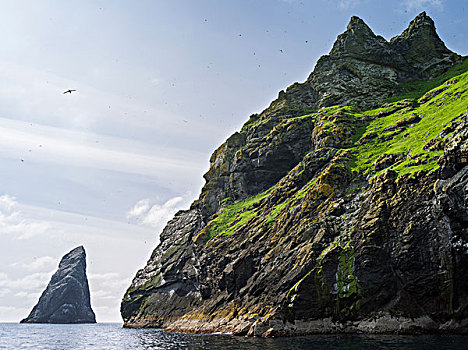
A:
[342,207]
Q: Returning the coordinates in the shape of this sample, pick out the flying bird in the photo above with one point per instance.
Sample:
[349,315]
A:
[69,91]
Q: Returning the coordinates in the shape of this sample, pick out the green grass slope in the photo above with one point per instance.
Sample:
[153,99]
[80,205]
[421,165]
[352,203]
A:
[406,134]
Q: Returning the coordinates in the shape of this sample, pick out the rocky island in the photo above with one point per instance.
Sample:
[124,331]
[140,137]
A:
[66,298]
[342,207]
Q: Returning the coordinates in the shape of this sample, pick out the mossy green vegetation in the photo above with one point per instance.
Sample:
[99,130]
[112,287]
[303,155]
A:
[416,132]
[405,135]
[233,215]
[344,298]
[349,147]
[416,89]
[348,288]
[148,285]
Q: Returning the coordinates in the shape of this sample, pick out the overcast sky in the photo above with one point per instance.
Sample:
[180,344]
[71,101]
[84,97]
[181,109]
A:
[160,84]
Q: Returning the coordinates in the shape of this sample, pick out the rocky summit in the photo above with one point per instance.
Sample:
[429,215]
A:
[342,207]
[66,298]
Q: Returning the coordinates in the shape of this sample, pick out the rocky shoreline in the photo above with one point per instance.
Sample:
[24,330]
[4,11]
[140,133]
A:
[383,324]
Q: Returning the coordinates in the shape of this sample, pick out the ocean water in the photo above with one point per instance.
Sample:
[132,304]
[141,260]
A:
[112,336]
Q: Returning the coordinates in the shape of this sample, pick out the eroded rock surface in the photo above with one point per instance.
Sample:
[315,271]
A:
[66,298]
[325,214]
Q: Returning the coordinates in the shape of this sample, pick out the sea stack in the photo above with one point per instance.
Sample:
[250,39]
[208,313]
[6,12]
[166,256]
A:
[66,298]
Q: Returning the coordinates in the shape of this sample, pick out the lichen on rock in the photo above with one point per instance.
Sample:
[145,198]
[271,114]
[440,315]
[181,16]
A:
[341,207]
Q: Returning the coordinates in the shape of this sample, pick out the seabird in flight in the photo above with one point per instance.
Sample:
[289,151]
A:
[69,91]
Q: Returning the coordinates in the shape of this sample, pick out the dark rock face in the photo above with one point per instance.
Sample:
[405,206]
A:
[167,287]
[362,69]
[422,48]
[66,298]
[326,248]
[258,166]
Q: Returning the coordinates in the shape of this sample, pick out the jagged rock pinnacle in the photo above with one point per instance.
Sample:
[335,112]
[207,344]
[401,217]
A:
[356,40]
[421,26]
[363,68]
[66,298]
[357,22]
[422,47]
[422,18]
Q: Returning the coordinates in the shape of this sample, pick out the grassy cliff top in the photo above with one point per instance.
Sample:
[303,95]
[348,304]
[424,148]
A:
[406,134]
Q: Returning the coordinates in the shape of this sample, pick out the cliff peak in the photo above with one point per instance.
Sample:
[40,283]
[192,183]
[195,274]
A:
[422,18]
[356,22]
[76,253]
[422,47]
[422,26]
[356,40]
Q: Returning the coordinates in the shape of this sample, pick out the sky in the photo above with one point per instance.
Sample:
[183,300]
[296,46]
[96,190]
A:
[160,84]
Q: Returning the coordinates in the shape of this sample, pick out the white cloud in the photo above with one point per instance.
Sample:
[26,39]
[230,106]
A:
[25,295]
[12,313]
[159,214]
[44,262]
[45,144]
[139,209]
[347,4]
[106,295]
[107,290]
[411,5]
[12,221]
[6,309]
[103,276]
[156,81]
[33,282]
[35,95]
[101,308]
[4,291]
[156,215]
[7,202]
[110,282]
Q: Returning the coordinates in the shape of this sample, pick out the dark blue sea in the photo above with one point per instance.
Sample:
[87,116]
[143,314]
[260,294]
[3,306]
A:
[113,336]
